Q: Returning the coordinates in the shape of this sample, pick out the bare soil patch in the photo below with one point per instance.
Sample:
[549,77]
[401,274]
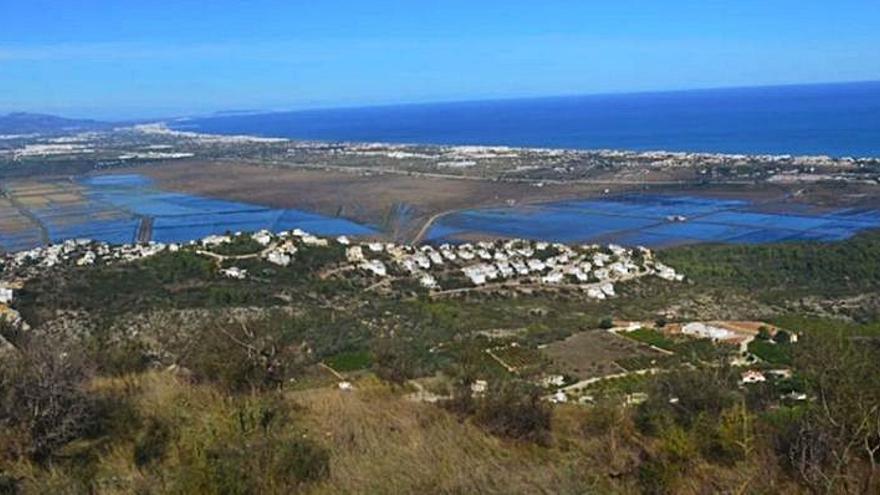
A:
[593,353]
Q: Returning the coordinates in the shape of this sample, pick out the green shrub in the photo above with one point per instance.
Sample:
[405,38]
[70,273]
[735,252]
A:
[170,267]
[515,410]
[400,359]
[676,453]
[771,352]
[8,484]
[238,246]
[228,471]
[151,443]
[685,396]
[782,337]
[651,337]
[241,357]
[301,461]
[606,323]
[350,361]
[116,355]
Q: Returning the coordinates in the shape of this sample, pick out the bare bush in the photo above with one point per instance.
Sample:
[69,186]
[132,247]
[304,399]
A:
[42,395]
[515,410]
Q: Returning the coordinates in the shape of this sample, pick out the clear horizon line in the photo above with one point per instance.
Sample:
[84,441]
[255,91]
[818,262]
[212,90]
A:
[441,101]
[537,97]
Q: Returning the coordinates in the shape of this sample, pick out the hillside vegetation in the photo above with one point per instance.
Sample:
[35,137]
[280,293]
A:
[162,377]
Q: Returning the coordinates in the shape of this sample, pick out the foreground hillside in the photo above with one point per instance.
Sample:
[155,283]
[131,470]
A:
[164,432]
[167,375]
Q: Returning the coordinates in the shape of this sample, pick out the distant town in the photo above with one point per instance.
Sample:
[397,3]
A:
[156,142]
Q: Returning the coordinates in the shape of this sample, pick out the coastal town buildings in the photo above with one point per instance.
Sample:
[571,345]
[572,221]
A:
[508,264]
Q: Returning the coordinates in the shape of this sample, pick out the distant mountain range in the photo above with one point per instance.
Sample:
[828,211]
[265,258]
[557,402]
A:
[31,123]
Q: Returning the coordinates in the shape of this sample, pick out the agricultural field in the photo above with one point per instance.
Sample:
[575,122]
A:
[519,359]
[594,353]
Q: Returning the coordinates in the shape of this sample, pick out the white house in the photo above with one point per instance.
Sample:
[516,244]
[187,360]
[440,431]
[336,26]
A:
[263,237]
[278,258]
[6,295]
[234,272]
[595,293]
[354,254]
[753,376]
[375,266]
[553,381]
[215,240]
[87,259]
[428,281]
[704,331]
[536,265]
[479,387]
[311,240]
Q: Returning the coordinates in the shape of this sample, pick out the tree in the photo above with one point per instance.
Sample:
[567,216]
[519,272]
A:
[515,410]
[42,395]
[685,395]
[397,359]
[782,337]
[837,447]
[243,356]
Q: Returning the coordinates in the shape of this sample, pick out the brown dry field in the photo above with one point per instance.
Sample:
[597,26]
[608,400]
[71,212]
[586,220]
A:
[373,198]
[401,204]
[780,197]
[13,221]
[592,353]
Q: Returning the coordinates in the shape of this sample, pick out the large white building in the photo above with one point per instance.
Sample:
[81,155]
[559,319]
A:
[704,331]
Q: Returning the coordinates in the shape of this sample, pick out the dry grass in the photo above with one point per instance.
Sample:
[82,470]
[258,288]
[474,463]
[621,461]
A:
[378,442]
[370,199]
[382,443]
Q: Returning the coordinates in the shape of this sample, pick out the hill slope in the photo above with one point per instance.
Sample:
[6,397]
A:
[31,123]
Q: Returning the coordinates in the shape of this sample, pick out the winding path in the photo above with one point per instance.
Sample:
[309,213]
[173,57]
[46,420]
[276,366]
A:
[427,226]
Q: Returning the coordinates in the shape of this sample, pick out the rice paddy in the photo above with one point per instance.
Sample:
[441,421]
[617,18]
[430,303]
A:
[658,221]
[113,208]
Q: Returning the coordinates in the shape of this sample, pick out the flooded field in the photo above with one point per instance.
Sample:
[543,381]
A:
[132,207]
[126,208]
[657,221]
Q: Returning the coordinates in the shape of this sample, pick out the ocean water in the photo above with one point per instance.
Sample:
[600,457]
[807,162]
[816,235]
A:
[644,220]
[830,119]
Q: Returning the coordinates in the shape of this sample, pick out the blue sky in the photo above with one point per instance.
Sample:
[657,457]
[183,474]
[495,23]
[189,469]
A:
[121,58]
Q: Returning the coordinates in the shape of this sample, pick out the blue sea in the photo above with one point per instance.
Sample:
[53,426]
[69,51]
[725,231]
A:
[832,119]
[828,119]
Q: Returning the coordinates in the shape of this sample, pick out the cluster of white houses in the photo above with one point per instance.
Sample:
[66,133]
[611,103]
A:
[520,261]
[591,267]
[80,252]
